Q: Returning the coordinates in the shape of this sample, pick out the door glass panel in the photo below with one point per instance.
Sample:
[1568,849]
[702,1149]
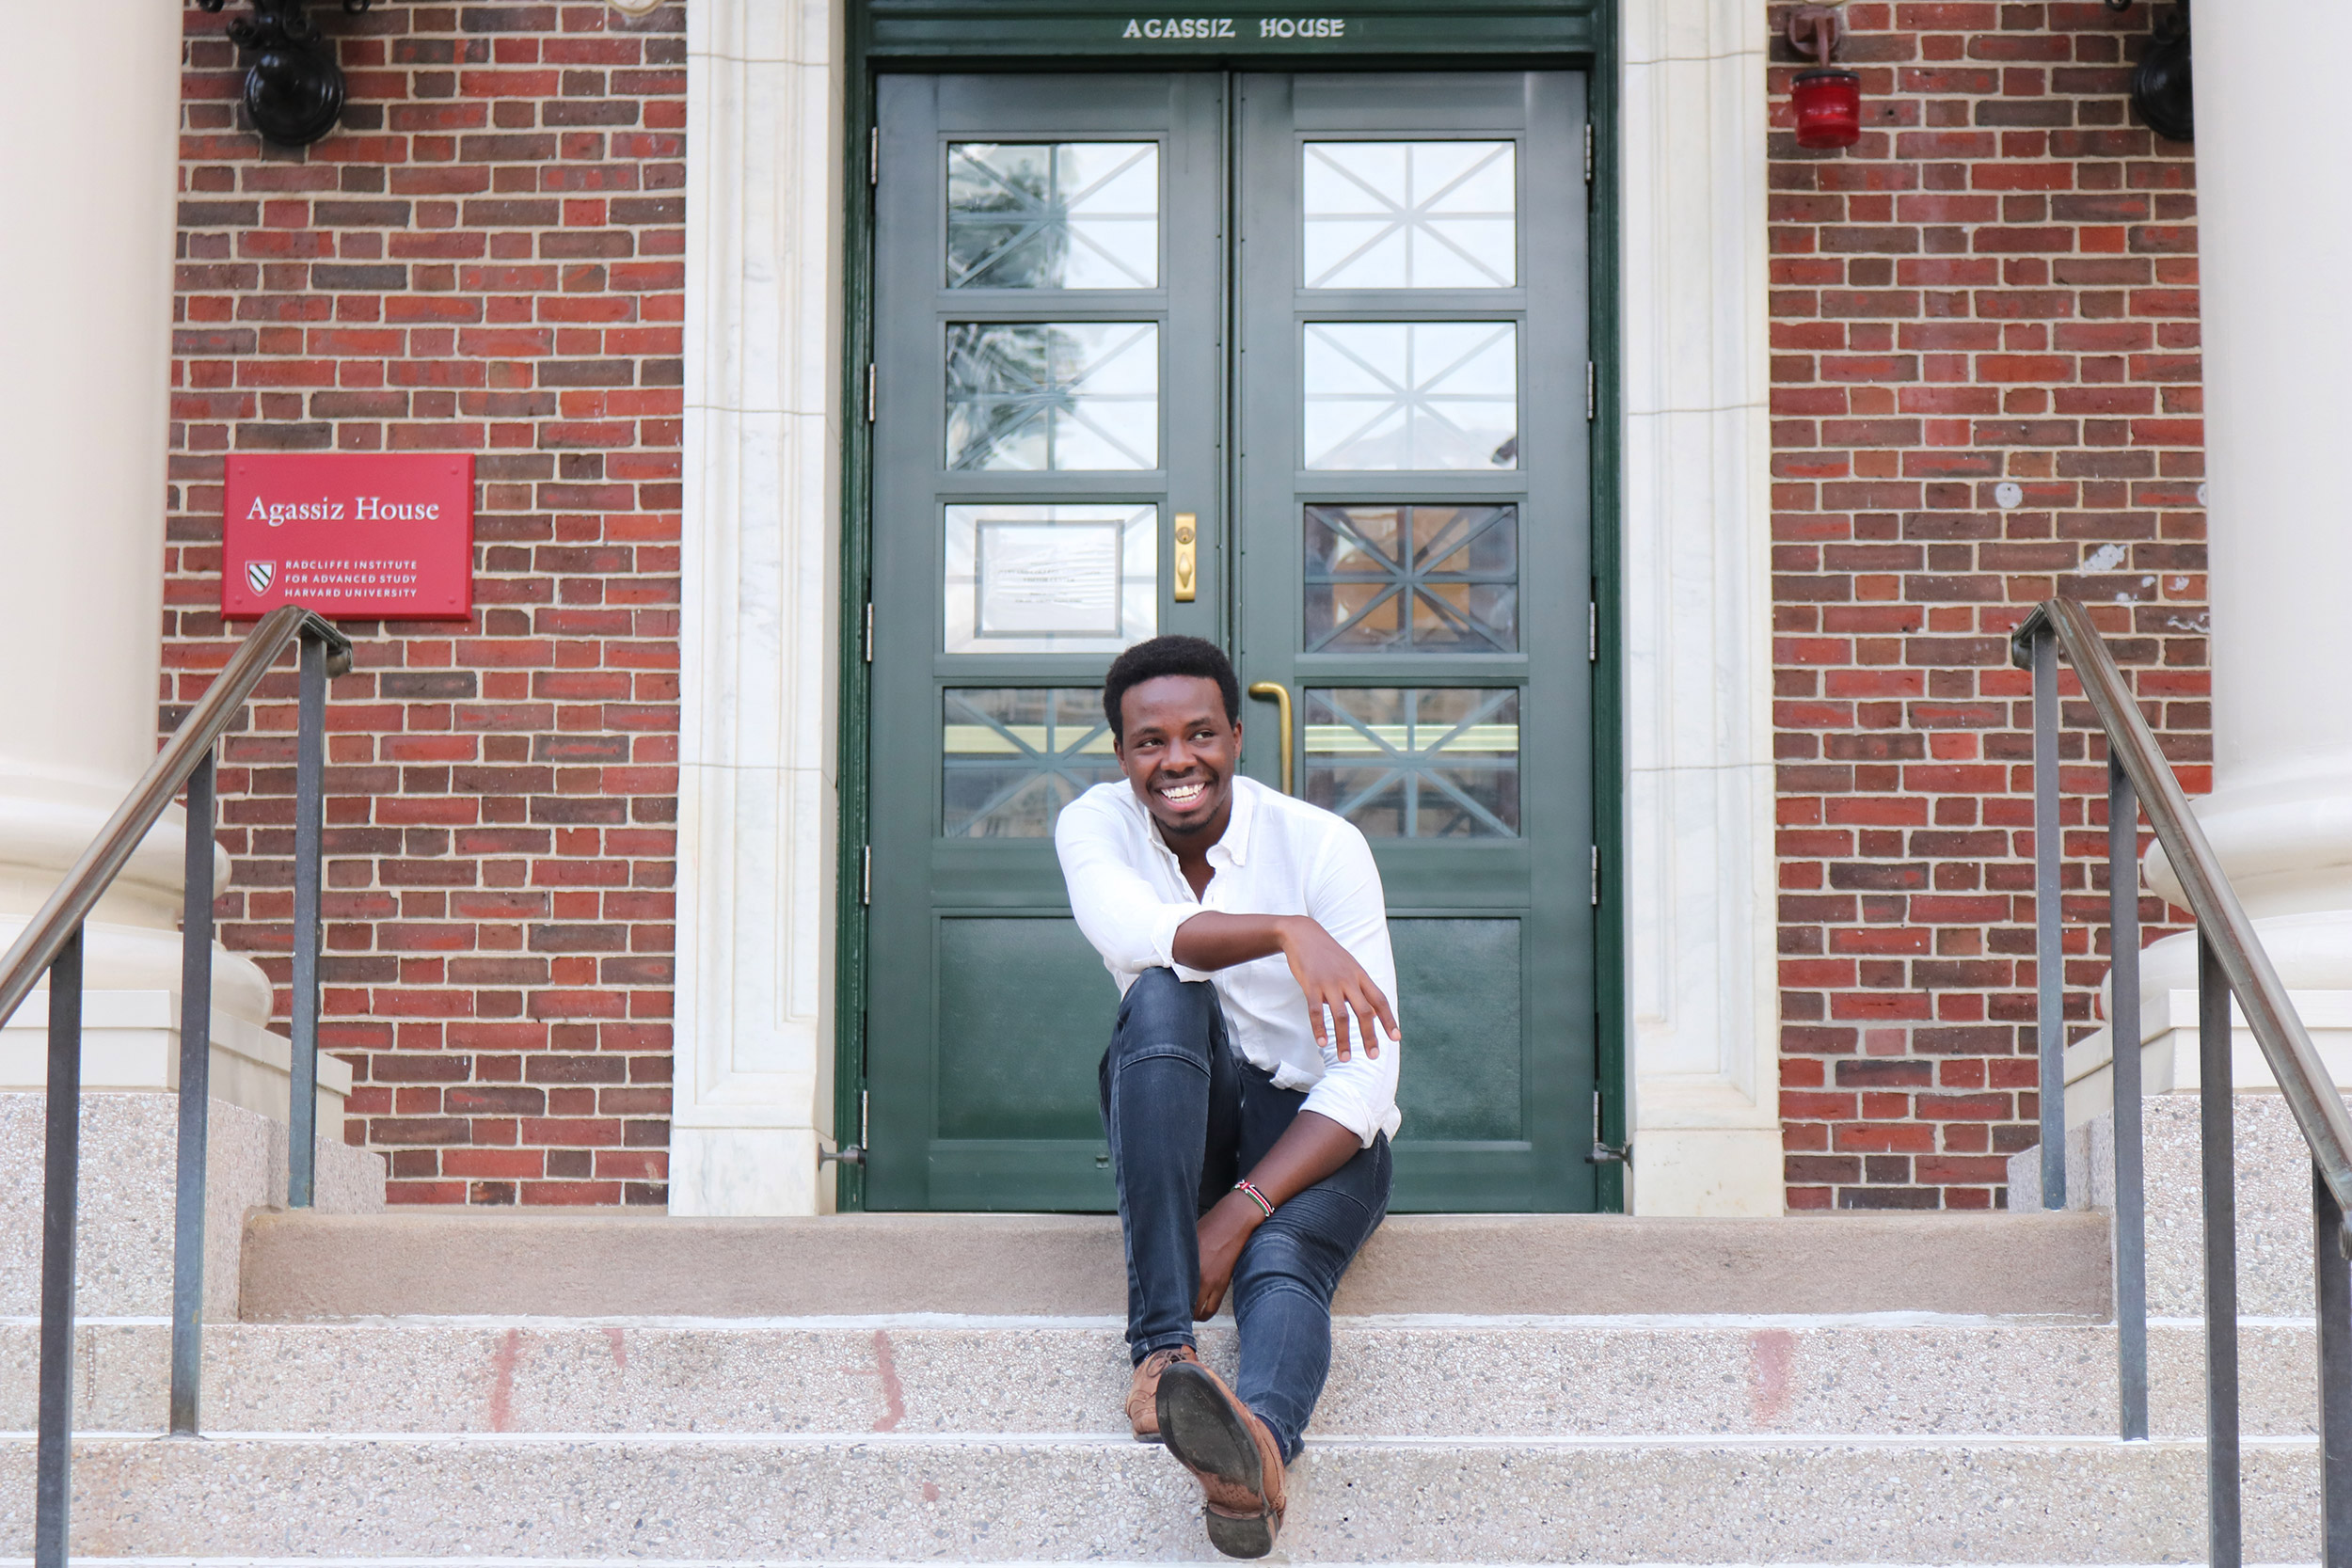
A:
[1050,579]
[1053,215]
[1036,395]
[1422,580]
[1411,394]
[1427,762]
[1012,757]
[1036,985]
[1459,987]
[1410,215]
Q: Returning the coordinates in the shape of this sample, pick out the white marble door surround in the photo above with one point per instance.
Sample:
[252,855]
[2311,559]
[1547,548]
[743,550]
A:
[757,804]
[761,545]
[1703,1034]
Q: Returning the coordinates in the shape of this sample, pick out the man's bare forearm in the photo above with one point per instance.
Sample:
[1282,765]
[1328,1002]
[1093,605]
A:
[1213,939]
[1311,1148]
[1344,1007]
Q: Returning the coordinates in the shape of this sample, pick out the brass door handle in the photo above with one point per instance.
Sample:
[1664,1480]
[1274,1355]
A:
[1281,695]
[1187,557]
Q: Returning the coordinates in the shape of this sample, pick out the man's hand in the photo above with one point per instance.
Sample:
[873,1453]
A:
[1225,1230]
[1335,984]
[1311,1148]
[1334,981]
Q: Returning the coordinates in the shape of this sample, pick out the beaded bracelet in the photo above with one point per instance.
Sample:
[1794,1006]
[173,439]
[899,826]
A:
[1255,1196]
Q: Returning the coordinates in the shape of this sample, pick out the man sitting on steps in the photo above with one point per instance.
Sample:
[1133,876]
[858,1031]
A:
[1247,1093]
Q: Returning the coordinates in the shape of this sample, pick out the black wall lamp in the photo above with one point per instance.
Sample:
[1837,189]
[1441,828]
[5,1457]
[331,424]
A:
[293,89]
[2160,85]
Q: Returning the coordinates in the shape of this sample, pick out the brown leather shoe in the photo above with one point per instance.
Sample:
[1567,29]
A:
[1143,1397]
[1233,1455]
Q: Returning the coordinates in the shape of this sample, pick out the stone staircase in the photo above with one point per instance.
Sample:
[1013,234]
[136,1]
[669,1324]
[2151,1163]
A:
[1852,1388]
[1877,1438]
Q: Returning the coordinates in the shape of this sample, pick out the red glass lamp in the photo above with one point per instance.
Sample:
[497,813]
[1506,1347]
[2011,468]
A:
[1827,99]
[1829,107]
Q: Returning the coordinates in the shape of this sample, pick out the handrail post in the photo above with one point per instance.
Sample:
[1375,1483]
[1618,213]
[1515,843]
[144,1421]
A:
[59,1211]
[2224,1530]
[2049,953]
[2332,1293]
[303,1002]
[2131,1196]
[196,1066]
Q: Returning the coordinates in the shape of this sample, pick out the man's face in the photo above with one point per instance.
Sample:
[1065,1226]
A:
[1179,751]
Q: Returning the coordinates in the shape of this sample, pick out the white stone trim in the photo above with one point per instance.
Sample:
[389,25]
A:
[1703,1035]
[760,548]
[2168,1056]
[131,1043]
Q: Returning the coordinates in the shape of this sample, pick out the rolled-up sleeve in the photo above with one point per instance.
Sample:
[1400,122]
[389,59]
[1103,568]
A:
[1117,908]
[1345,898]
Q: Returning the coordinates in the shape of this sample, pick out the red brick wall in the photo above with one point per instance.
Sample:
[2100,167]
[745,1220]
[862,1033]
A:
[486,257]
[1999,283]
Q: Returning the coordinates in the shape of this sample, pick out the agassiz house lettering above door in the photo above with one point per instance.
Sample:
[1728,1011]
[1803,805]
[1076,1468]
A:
[1200,29]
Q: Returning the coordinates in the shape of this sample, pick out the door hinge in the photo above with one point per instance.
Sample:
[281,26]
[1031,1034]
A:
[865,875]
[1592,633]
[1596,876]
[1588,152]
[1606,1154]
[866,643]
[1592,391]
[872,376]
[873,155]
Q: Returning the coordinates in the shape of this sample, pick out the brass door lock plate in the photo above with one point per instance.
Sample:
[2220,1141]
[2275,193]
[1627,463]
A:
[1187,557]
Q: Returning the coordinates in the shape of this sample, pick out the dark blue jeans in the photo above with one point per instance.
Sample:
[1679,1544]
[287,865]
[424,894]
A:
[1187,1116]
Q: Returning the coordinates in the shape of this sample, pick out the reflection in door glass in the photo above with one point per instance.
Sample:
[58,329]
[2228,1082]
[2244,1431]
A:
[1410,215]
[1032,395]
[1054,215]
[1411,394]
[1012,757]
[1421,579]
[1050,579]
[1429,762]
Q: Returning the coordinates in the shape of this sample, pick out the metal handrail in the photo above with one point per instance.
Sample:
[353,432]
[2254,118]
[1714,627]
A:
[86,880]
[2304,1079]
[51,944]
[2230,960]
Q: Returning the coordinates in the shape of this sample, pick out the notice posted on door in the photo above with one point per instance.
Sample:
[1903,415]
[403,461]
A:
[352,535]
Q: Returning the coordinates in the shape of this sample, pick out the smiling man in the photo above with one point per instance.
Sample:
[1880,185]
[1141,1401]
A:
[1250,1090]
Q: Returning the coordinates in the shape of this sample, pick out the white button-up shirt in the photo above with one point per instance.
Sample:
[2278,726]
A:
[1278,856]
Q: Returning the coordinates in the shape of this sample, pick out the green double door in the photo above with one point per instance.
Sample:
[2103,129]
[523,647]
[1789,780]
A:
[1296,363]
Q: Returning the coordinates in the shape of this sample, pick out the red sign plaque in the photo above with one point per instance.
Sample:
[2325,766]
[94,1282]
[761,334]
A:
[360,535]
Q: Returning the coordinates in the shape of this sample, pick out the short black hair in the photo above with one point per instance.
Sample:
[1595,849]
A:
[1169,655]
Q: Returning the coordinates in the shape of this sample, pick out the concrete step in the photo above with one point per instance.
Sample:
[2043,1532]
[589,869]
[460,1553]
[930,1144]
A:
[309,1266]
[893,1497]
[85,1560]
[1535,1378]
